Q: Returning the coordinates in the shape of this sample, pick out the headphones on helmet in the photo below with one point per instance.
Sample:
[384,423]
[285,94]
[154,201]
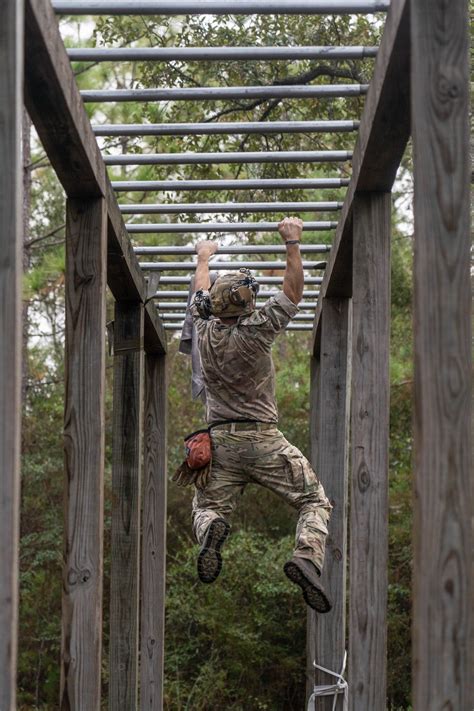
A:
[202,299]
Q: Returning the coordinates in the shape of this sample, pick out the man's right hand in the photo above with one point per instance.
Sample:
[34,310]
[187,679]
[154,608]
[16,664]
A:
[290,228]
[206,248]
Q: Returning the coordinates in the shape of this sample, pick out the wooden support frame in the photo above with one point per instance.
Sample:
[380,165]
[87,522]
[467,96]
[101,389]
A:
[11,230]
[369,452]
[333,469]
[443,657]
[54,103]
[314,444]
[154,535]
[126,504]
[382,138]
[86,243]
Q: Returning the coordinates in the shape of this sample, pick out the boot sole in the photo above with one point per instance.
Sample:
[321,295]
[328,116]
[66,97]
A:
[209,562]
[314,595]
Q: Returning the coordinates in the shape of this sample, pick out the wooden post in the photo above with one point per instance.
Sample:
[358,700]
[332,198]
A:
[86,241]
[11,108]
[369,452]
[154,535]
[333,464]
[126,504]
[314,432]
[443,615]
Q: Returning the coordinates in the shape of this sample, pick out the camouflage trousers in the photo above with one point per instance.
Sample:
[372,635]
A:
[266,458]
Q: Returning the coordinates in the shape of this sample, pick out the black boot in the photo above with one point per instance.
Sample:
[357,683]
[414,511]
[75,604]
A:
[210,561]
[305,574]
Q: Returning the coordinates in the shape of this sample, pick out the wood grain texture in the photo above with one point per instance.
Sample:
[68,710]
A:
[127,427]
[55,105]
[11,238]
[333,470]
[84,454]
[154,536]
[56,108]
[314,433]
[443,592]
[369,452]
[381,140]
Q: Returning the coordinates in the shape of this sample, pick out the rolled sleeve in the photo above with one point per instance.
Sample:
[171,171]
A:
[274,315]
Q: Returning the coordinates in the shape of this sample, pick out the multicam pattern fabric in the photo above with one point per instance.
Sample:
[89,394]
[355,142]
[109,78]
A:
[268,459]
[237,366]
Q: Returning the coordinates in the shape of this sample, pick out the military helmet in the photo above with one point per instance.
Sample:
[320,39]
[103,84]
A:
[233,294]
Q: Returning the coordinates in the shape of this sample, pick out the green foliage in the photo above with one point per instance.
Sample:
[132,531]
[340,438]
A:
[239,643]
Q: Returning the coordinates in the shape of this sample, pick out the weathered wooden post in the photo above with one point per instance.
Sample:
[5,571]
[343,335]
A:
[126,504]
[332,467]
[86,241]
[154,534]
[11,109]
[369,451]
[443,614]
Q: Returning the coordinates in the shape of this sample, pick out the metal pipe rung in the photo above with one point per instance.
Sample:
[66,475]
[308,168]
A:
[191,266]
[218,7]
[235,249]
[184,228]
[223,157]
[224,127]
[206,54]
[227,207]
[291,91]
[183,294]
[260,279]
[263,184]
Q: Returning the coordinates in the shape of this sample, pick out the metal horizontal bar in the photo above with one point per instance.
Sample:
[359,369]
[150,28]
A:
[291,327]
[212,93]
[236,249]
[228,207]
[224,127]
[260,279]
[183,228]
[218,7]
[216,158]
[206,54]
[164,306]
[181,316]
[183,294]
[264,184]
[191,266]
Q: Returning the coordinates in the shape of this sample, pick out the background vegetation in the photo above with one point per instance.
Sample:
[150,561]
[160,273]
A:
[238,644]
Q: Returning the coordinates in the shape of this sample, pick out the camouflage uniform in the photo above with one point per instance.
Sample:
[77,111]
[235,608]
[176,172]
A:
[239,378]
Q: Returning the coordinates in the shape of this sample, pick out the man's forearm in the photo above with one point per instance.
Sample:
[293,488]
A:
[293,281]
[202,279]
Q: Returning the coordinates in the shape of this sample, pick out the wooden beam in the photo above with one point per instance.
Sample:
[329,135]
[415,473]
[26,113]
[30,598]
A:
[443,584]
[369,452]
[126,503]
[57,110]
[382,138]
[314,445]
[11,238]
[333,469]
[86,240]
[154,536]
